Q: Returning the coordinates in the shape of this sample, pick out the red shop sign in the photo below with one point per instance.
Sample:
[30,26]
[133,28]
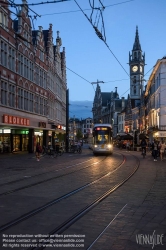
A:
[9,119]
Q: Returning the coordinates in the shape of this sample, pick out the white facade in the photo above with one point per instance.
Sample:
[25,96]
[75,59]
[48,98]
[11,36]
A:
[121,122]
[87,126]
[156,103]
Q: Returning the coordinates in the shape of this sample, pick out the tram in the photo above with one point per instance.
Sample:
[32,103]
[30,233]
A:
[102,139]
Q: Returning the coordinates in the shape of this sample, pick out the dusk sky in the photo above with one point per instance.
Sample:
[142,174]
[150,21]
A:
[88,56]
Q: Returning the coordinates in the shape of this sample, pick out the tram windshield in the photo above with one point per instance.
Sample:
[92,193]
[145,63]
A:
[102,136]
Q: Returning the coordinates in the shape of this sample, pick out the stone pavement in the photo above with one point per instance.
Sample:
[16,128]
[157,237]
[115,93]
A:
[140,220]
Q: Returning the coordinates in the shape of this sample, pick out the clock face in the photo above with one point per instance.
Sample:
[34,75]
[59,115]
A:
[134,68]
[140,68]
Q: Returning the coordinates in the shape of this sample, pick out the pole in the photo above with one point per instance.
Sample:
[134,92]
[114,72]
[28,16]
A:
[67,120]
[133,138]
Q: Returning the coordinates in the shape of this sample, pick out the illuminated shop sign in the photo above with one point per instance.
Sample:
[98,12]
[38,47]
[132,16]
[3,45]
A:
[61,127]
[160,134]
[9,119]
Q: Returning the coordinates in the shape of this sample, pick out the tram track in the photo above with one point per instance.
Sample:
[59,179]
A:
[77,216]
[46,172]
[67,195]
[49,179]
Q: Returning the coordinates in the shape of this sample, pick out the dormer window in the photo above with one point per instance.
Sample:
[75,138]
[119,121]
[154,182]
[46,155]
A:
[3,20]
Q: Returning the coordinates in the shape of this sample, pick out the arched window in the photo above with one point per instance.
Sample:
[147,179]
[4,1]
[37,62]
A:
[135,55]
[139,55]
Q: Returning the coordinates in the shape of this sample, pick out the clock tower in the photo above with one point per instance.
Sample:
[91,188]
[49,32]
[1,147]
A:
[136,63]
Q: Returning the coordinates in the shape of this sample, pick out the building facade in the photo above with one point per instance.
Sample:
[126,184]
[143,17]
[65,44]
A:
[155,102]
[32,83]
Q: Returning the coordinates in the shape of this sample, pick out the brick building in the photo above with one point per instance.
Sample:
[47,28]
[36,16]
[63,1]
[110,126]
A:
[32,83]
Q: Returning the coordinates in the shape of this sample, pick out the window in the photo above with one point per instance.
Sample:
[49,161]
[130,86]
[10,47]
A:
[25,100]
[31,102]
[3,20]
[31,71]
[20,98]
[11,95]
[20,64]
[4,93]
[11,59]
[134,80]
[41,55]
[4,54]
[41,106]
[45,79]
[37,76]
[41,78]
[45,107]
[135,55]
[37,104]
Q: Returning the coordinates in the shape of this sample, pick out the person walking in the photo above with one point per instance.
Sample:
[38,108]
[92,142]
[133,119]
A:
[127,146]
[162,149]
[143,145]
[155,149]
[38,151]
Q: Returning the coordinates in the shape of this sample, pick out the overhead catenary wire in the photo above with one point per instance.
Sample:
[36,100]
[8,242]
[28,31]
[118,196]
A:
[12,2]
[33,4]
[72,11]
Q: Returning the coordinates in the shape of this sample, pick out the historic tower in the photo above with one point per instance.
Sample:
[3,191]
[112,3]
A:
[136,63]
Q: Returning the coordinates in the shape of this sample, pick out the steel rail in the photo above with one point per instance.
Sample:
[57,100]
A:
[61,228]
[49,179]
[53,202]
[46,172]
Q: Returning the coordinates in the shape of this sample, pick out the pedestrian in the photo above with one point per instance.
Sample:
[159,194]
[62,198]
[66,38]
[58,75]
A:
[78,145]
[38,151]
[162,149]
[155,149]
[143,145]
[149,146]
[127,146]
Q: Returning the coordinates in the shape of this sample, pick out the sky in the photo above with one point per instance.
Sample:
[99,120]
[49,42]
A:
[88,59]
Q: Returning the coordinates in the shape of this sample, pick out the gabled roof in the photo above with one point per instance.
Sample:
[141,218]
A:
[45,35]
[106,96]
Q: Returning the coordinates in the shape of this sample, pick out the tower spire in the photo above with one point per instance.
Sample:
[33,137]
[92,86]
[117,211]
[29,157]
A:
[136,45]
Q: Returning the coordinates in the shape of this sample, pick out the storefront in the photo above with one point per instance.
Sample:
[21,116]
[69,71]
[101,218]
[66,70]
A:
[19,133]
[5,144]
[160,135]
[38,138]
[19,139]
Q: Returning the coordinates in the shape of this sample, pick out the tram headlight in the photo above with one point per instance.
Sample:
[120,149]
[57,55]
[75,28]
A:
[109,146]
[95,146]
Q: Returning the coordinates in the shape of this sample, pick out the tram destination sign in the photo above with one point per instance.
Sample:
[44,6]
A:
[9,119]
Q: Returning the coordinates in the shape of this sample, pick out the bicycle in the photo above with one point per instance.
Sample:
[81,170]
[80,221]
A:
[73,148]
[50,152]
[79,149]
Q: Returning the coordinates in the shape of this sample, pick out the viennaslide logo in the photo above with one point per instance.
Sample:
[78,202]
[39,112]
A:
[150,239]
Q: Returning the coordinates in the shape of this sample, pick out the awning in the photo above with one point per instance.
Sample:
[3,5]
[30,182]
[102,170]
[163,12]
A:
[143,136]
[124,137]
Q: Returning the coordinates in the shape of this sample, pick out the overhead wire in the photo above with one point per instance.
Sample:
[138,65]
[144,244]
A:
[72,11]
[12,2]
